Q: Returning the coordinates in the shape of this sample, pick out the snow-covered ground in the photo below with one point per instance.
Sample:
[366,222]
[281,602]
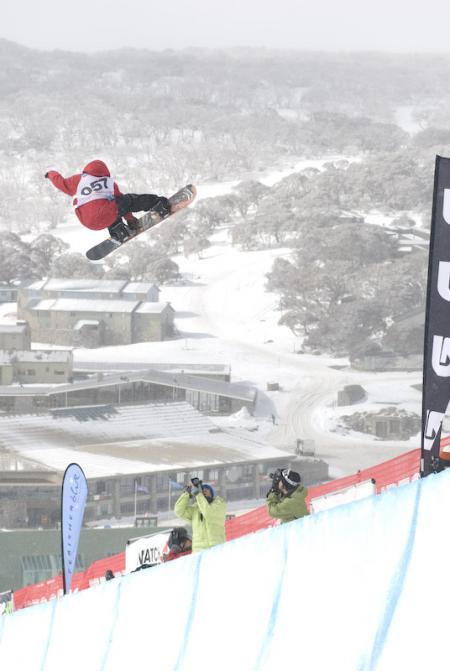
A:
[224,315]
[345,589]
[404,117]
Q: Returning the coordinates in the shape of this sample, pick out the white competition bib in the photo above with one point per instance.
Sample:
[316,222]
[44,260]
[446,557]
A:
[93,188]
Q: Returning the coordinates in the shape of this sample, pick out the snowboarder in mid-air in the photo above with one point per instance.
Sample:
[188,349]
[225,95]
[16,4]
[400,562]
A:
[99,203]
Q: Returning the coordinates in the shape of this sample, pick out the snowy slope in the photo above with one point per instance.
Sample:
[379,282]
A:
[224,315]
[319,593]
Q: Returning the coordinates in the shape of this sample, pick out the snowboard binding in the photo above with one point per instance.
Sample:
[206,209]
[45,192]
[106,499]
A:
[121,232]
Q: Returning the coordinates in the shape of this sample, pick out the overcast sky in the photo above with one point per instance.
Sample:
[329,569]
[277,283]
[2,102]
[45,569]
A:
[91,25]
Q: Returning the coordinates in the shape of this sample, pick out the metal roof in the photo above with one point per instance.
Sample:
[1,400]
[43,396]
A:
[13,328]
[109,440]
[84,305]
[63,284]
[165,379]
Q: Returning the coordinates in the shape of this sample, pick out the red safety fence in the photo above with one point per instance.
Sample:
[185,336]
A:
[390,473]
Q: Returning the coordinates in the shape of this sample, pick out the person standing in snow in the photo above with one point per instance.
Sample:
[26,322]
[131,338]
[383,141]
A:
[98,201]
[205,511]
[286,497]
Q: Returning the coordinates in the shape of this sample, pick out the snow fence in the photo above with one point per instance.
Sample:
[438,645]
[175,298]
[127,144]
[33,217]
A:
[358,587]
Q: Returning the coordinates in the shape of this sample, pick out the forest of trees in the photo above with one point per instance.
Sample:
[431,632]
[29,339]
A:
[162,119]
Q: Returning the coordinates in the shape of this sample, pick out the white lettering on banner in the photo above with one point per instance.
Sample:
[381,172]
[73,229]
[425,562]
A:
[443,284]
[446,206]
[434,421]
[149,556]
[440,356]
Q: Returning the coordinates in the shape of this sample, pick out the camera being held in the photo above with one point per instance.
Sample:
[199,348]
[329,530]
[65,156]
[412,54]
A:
[276,478]
[286,497]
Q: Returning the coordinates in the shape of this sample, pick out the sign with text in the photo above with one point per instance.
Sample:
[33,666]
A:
[436,359]
[146,550]
[73,501]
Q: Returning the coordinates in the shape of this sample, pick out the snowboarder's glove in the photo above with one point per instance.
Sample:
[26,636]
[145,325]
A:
[271,491]
[46,175]
[187,489]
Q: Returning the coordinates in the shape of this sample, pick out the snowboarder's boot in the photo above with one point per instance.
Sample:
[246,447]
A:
[120,231]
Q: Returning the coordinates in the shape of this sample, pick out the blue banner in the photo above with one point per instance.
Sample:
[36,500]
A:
[73,500]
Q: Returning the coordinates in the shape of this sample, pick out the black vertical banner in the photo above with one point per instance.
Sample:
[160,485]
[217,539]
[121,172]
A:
[436,360]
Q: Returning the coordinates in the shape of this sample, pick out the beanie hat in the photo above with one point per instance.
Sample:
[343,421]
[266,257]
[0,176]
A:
[209,488]
[290,479]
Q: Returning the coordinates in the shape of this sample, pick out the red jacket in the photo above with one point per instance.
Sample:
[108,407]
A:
[175,555]
[97,214]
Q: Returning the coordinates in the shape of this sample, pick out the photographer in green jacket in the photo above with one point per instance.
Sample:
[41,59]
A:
[206,512]
[286,497]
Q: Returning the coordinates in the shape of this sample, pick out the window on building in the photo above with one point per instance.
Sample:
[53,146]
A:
[59,372]
[36,568]
[30,371]
[100,487]
[162,482]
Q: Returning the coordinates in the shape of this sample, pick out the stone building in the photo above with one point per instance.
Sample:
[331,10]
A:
[15,336]
[36,367]
[90,322]
[94,313]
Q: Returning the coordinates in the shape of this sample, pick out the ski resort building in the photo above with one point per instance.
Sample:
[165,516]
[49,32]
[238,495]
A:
[154,447]
[35,366]
[94,313]
[86,322]
[15,336]
[210,394]
[93,289]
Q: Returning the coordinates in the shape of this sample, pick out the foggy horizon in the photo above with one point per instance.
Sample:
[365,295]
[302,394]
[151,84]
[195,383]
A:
[349,27]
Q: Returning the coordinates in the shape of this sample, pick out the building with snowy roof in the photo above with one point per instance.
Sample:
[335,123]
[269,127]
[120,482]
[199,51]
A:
[88,288]
[137,458]
[15,336]
[209,391]
[93,322]
[35,367]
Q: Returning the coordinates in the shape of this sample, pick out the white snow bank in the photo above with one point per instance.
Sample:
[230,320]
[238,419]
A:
[347,589]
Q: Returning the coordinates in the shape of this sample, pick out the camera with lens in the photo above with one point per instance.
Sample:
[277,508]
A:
[195,482]
[276,478]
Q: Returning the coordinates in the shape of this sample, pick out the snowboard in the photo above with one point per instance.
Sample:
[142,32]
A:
[178,201]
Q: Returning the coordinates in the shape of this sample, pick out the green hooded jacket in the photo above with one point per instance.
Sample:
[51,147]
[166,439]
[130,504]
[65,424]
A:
[288,508]
[207,519]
